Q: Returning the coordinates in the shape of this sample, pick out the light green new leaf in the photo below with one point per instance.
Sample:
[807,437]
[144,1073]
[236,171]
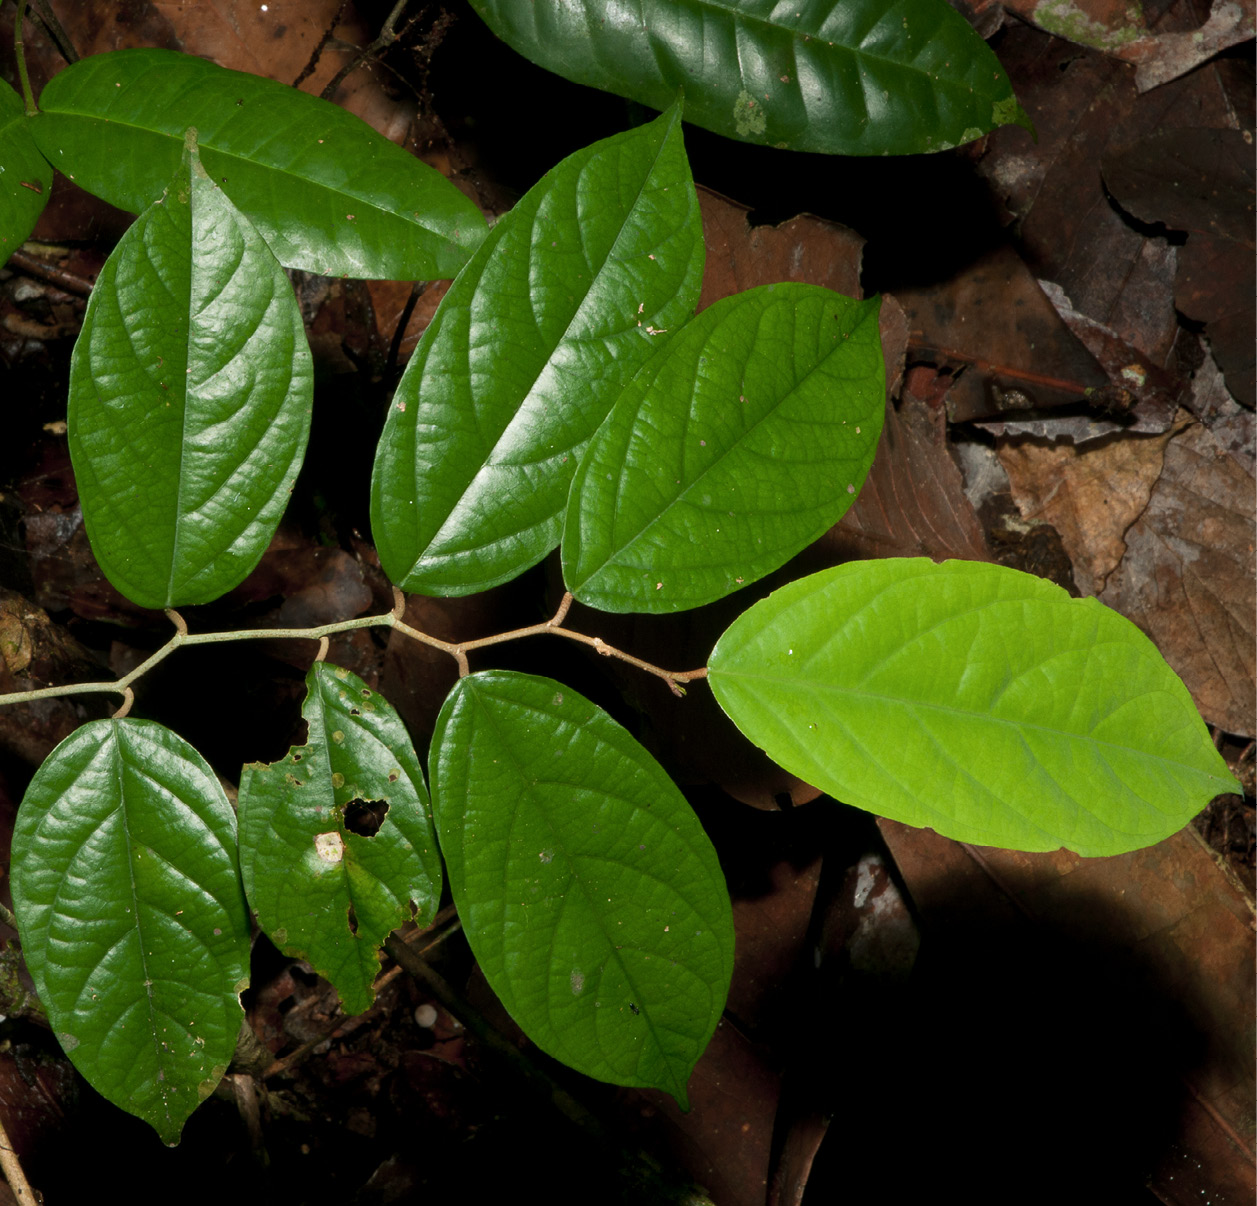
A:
[738,444]
[327,885]
[554,313]
[190,394]
[25,177]
[587,888]
[981,702]
[848,77]
[133,923]
[327,192]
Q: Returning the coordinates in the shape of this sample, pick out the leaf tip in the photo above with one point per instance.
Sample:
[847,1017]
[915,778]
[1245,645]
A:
[1008,112]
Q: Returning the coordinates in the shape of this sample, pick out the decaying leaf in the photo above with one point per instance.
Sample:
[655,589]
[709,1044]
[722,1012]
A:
[806,248]
[1090,495]
[1187,576]
[1159,942]
[993,321]
[1201,181]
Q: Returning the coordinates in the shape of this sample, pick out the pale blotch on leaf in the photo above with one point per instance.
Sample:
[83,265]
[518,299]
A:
[577,982]
[330,847]
[748,117]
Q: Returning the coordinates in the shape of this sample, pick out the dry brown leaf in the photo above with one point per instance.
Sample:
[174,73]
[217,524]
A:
[1216,284]
[389,300]
[866,943]
[277,40]
[1104,25]
[1187,578]
[1173,931]
[1165,57]
[1201,181]
[724,1141]
[993,321]
[913,502]
[34,653]
[1090,495]
[806,248]
[1069,230]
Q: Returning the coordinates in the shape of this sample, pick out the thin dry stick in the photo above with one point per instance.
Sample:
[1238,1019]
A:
[458,1006]
[417,290]
[317,53]
[13,1173]
[387,37]
[444,925]
[295,1057]
[32,265]
[53,27]
[1004,370]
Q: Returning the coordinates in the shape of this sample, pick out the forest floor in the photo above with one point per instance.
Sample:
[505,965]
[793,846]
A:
[1069,332]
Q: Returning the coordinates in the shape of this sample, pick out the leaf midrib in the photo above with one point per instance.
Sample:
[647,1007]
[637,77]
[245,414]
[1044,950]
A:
[680,496]
[730,11]
[796,687]
[288,178]
[517,767]
[563,340]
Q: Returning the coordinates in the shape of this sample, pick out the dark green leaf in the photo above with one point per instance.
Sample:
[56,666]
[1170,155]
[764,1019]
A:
[530,346]
[848,77]
[337,847]
[740,442]
[133,923]
[25,177]
[589,892]
[190,391]
[978,701]
[327,192]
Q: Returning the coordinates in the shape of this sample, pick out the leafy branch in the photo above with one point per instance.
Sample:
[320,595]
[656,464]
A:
[564,396]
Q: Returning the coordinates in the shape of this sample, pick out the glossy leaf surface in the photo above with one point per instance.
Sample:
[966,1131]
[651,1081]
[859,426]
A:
[327,192]
[326,884]
[737,445]
[190,394]
[973,699]
[588,890]
[25,177]
[554,313]
[847,77]
[133,922]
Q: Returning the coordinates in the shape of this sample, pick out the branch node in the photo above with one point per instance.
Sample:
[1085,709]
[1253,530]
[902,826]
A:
[561,614]
[399,603]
